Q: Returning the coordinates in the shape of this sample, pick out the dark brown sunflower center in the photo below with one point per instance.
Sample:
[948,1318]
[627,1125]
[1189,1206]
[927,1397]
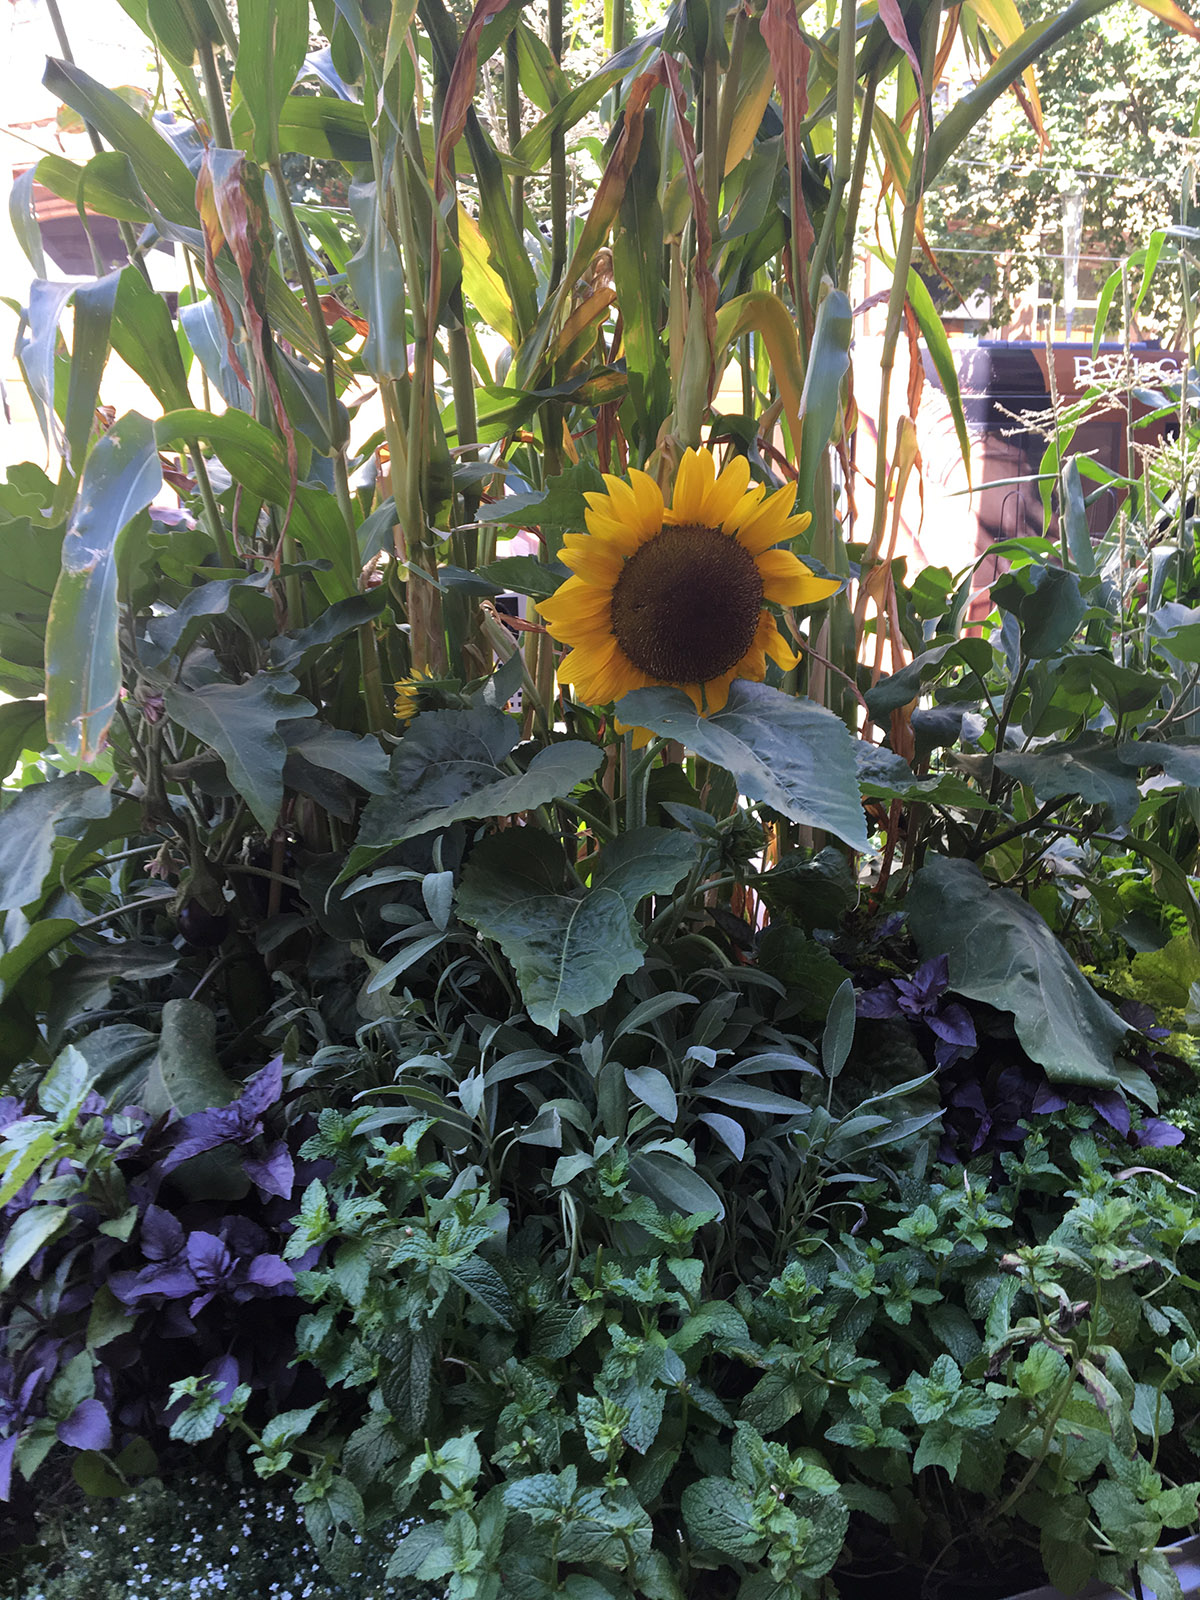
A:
[686,607]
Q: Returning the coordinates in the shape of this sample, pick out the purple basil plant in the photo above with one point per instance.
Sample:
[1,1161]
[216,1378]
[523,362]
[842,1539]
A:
[991,1092]
[151,1279]
[922,999]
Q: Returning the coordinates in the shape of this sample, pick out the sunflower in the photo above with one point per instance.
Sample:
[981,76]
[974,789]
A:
[412,695]
[677,596]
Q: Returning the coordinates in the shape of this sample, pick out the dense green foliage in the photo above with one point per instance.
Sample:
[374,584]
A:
[697,1144]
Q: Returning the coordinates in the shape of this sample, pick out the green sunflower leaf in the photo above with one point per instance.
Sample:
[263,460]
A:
[569,945]
[790,753]
[452,766]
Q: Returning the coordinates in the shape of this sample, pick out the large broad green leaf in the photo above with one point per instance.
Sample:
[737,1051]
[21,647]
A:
[891,693]
[376,275]
[187,1073]
[1003,953]
[791,753]
[828,363]
[144,339]
[569,946]
[164,178]
[1094,769]
[1175,629]
[1046,601]
[934,334]
[240,721]
[1179,758]
[83,662]
[94,304]
[272,42]
[450,767]
[29,826]
[637,247]
[22,727]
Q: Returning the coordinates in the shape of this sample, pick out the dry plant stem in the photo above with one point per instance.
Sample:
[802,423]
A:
[376,706]
[904,250]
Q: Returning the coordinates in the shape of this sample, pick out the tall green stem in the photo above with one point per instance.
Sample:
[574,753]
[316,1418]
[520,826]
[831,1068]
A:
[558,160]
[856,182]
[843,161]
[368,649]
[214,94]
[512,119]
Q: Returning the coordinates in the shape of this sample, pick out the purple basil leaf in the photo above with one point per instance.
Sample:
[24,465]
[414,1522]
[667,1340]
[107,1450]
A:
[270,1272]
[1156,1133]
[243,1237]
[926,984]
[262,1090]
[226,1374]
[8,1449]
[87,1428]
[203,1131]
[171,1279]
[956,1025]
[1048,1099]
[162,1235]
[1114,1109]
[274,1172]
[209,1260]
[879,1002]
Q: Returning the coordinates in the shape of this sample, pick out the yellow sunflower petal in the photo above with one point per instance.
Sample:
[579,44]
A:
[768,522]
[788,582]
[593,561]
[774,644]
[619,677]
[603,524]
[693,487]
[728,492]
[716,690]
[576,604]
[637,504]
[585,665]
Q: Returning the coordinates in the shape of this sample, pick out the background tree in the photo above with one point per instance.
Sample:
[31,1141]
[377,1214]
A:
[1120,105]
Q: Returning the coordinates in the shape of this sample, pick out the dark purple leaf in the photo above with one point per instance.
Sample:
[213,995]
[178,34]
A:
[1113,1108]
[243,1236]
[270,1272]
[1156,1133]
[955,1025]
[274,1172]
[87,1428]
[209,1259]
[162,1235]
[8,1449]
[263,1089]
[879,1002]
[226,1374]
[1048,1099]
[918,993]
[169,1279]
